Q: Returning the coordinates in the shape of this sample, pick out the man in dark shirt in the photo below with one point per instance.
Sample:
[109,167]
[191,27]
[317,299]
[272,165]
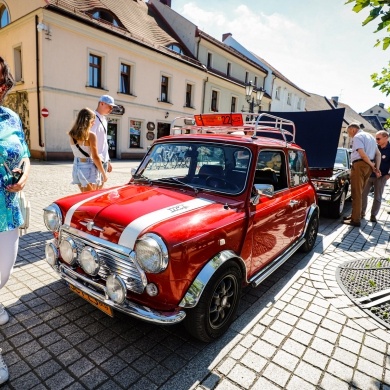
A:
[382,139]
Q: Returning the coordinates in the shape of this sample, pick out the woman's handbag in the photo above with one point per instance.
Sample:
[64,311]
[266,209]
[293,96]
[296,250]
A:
[24,204]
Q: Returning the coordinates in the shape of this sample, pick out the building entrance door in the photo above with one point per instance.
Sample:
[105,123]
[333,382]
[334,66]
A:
[163,129]
[112,139]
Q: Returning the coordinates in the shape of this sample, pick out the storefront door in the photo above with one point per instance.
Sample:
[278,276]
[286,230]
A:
[112,139]
[163,129]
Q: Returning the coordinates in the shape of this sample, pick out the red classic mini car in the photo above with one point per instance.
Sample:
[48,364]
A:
[220,203]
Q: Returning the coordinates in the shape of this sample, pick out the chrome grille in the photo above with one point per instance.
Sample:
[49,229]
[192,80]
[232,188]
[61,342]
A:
[111,261]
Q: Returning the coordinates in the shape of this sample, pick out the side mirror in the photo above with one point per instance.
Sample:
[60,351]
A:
[265,189]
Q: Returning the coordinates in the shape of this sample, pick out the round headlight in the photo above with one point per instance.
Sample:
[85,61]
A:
[151,253]
[52,217]
[89,261]
[51,253]
[116,288]
[68,250]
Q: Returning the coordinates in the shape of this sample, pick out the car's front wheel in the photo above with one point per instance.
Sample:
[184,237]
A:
[218,304]
[336,208]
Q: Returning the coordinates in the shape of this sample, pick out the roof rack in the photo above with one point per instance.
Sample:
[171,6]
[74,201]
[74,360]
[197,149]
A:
[235,124]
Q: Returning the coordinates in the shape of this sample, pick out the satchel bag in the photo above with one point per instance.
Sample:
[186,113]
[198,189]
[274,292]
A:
[25,209]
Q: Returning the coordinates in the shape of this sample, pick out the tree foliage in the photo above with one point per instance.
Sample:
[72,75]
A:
[380,12]
[378,9]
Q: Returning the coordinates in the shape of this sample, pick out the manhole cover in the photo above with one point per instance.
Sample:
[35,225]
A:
[367,283]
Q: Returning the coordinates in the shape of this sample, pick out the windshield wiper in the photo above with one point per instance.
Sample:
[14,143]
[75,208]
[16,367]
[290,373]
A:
[173,180]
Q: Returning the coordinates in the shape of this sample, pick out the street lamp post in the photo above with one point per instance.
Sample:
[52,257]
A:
[345,136]
[249,89]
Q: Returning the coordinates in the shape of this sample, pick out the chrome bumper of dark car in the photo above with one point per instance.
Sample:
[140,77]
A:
[132,309]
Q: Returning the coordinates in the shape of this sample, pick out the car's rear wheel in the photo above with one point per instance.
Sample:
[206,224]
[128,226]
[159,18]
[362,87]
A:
[218,304]
[311,233]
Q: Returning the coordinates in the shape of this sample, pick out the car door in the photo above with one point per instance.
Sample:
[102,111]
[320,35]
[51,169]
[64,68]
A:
[300,191]
[273,219]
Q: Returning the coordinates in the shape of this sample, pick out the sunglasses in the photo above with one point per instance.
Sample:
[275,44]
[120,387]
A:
[378,139]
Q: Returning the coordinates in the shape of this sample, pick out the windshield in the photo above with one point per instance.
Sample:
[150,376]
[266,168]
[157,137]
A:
[341,159]
[220,168]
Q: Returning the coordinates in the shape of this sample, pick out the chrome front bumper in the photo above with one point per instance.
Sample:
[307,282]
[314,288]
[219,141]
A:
[132,309]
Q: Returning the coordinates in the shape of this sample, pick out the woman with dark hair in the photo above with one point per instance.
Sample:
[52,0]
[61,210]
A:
[13,153]
[88,172]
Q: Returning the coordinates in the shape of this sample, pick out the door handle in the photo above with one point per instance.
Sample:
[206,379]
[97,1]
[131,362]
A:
[293,202]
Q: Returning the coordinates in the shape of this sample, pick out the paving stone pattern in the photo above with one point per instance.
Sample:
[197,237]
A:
[298,330]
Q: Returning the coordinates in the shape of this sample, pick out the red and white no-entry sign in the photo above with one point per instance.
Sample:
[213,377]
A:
[45,112]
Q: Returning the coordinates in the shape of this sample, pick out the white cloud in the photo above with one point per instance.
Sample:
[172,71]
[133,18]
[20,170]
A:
[325,53]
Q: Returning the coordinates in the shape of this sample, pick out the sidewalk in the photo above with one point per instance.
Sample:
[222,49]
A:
[298,330]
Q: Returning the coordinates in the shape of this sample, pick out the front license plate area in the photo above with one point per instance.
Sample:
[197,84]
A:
[93,301]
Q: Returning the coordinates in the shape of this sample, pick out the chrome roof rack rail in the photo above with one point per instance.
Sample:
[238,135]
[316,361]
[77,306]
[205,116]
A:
[235,124]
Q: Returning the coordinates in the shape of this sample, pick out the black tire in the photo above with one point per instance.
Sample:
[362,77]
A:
[217,306]
[335,209]
[311,234]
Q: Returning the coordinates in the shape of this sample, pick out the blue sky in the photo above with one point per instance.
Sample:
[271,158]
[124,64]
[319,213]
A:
[320,45]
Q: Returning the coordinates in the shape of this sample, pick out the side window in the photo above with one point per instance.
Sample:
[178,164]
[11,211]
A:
[298,173]
[271,168]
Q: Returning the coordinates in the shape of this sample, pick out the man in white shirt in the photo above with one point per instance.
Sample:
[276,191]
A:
[366,159]
[105,106]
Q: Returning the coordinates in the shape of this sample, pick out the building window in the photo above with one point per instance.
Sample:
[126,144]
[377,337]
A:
[299,104]
[233,106]
[209,60]
[18,73]
[125,79]
[289,98]
[214,101]
[255,82]
[246,77]
[277,93]
[106,16]
[135,134]
[175,48]
[95,71]
[4,16]
[164,89]
[229,69]
[189,95]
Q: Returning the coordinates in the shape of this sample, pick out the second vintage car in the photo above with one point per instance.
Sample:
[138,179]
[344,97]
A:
[334,190]
[220,204]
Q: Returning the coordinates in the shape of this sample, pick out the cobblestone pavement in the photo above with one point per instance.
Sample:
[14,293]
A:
[297,330]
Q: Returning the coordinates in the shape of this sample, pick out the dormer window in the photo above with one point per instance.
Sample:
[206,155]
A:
[4,16]
[176,48]
[106,16]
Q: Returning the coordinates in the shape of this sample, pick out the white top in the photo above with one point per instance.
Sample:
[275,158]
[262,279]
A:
[99,128]
[77,153]
[365,141]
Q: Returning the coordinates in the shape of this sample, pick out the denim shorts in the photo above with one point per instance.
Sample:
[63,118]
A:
[85,173]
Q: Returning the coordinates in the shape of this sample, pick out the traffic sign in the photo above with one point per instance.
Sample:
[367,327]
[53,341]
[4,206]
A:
[45,112]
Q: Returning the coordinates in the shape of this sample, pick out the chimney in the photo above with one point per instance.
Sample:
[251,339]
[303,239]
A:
[166,2]
[335,100]
[225,36]
[381,105]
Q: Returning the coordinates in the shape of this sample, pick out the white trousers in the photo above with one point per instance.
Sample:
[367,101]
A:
[9,242]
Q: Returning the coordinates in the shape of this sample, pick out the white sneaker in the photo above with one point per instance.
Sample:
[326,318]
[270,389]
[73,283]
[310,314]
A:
[3,370]
[3,315]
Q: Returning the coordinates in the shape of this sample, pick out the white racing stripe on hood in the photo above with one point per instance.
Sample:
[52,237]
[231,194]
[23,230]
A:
[71,211]
[132,231]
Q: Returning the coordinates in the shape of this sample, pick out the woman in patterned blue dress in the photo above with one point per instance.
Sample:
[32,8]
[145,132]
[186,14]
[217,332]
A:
[13,152]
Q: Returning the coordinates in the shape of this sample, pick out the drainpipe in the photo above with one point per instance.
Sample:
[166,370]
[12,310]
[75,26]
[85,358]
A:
[40,138]
[204,92]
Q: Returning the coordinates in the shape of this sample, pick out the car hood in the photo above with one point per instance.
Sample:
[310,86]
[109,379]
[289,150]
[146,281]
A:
[122,214]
